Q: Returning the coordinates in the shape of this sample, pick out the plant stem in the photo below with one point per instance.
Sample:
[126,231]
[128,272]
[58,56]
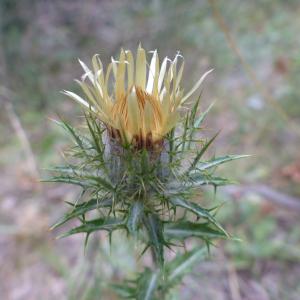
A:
[162,291]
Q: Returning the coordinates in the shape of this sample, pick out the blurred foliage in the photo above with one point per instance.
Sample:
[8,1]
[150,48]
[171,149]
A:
[40,41]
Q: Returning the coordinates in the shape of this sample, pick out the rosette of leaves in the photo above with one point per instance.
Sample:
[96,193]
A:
[140,163]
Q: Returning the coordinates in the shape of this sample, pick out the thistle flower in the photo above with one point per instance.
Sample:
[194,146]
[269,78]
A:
[128,190]
[143,105]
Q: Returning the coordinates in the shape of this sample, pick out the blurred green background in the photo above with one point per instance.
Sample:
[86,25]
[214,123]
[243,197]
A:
[254,49]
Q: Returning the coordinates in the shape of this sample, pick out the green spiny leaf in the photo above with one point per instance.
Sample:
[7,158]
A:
[201,152]
[155,234]
[197,210]
[96,138]
[185,131]
[218,161]
[71,180]
[79,140]
[66,169]
[102,182]
[108,224]
[194,111]
[198,178]
[83,208]
[135,216]
[170,138]
[192,118]
[201,118]
[182,230]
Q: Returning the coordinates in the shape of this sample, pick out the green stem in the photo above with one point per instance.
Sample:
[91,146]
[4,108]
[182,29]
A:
[162,293]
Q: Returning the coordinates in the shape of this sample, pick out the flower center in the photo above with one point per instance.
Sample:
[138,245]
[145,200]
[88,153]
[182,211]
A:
[140,116]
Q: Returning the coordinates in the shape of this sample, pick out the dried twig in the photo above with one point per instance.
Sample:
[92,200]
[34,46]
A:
[20,132]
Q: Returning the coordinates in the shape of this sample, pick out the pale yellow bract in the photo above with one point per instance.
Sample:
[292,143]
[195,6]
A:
[142,105]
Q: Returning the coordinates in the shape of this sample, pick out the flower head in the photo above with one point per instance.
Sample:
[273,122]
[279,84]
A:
[142,105]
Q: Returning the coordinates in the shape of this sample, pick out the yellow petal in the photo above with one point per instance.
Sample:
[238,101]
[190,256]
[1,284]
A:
[91,97]
[179,75]
[196,86]
[120,76]
[162,73]
[148,118]
[165,106]
[130,69]
[171,122]
[134,117]
[88,72]
[153,74]
[97,64]
[78,99]
[140,73]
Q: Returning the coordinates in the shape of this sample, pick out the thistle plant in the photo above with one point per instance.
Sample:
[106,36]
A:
[140,164]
